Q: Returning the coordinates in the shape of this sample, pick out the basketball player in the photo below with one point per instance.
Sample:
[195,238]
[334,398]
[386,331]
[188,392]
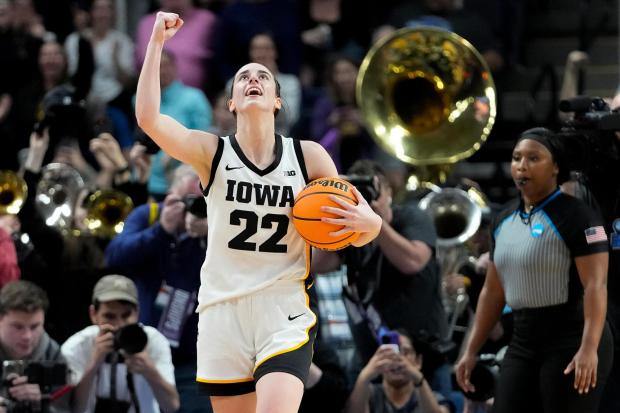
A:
[255,329]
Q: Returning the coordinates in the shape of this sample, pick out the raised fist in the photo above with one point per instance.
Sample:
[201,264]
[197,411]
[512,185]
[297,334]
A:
[166,25]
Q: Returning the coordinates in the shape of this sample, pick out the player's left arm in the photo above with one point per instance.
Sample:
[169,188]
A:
[357,218]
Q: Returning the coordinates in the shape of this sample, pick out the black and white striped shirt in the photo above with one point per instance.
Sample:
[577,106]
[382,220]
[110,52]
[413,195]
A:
[534,253]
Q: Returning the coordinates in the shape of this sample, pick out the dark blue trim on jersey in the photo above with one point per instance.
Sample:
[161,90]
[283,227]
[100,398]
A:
[216,161]
[300,159]
[552,225]
[250,165]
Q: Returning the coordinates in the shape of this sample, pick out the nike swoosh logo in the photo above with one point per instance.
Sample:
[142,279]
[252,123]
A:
[294,317]
[230,168]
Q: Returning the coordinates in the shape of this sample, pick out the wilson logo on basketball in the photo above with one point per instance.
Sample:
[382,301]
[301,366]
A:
[338,184]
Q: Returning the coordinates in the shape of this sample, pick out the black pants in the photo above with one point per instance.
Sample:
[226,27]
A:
[532,375]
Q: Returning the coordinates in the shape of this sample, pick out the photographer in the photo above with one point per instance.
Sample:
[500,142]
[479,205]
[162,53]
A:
[403,387]
[396,277]
[24,341]
[112,374]
[162,248]
[592,132]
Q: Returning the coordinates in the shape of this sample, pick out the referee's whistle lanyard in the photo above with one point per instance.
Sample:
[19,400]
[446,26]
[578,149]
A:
[526,217]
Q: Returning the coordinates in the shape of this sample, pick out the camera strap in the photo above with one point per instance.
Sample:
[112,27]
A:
[361,308]
[132,392]
[356,260]
[113,368]
[114,358]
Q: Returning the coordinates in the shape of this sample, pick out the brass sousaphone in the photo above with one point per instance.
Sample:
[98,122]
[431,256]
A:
[427,96]
[428,99]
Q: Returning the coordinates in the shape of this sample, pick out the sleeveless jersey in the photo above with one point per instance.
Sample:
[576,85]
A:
[252,240]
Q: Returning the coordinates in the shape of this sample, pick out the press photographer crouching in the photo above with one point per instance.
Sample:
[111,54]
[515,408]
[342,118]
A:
[33,368]
[117,365]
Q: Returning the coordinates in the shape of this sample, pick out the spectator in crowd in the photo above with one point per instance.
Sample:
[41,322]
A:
[23,337]
[19,51]
[18,73]
[332,26]
[403,387]
[128,176]
[186,104]
[50,86]
[9,268]
[27,20]
[103,377]
[337,122]
[263,50]
[113,55]
[192,48]
[162,248]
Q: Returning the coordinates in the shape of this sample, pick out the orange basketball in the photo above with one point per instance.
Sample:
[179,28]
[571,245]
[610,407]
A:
[307,213]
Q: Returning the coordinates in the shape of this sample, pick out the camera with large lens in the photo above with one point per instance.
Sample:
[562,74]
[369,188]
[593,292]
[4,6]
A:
[367,185]
[130,339]
[589,136]
[593,152]
[195,205]
[48,374]
[45,373]
[64,114]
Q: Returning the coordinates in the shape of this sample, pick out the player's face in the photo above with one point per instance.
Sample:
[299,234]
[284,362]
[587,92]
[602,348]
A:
[254,88]
[533,169]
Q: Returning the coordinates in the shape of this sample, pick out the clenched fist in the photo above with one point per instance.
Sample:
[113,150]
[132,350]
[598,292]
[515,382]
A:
[166,25]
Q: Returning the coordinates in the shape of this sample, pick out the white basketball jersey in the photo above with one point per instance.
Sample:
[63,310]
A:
[252,240]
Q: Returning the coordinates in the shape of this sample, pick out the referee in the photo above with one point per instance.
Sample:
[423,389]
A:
[549,264]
